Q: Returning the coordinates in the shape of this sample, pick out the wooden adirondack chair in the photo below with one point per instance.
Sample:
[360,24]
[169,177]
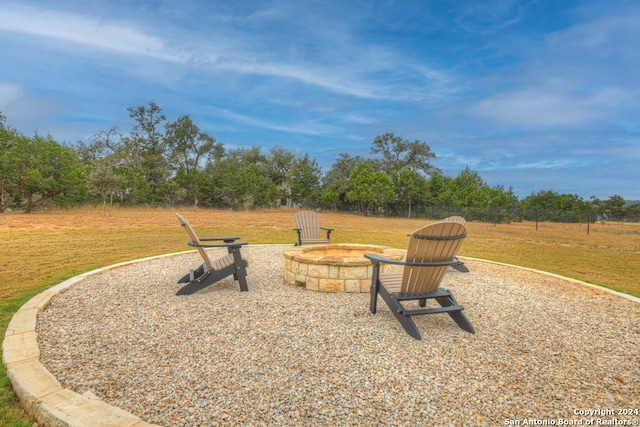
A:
[308,228]
[212,271]
[431,251]
[459,220]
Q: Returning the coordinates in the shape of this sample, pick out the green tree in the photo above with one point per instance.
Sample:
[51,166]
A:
[53,170]
[501,198]
[611,208]
[15,156]
[369,186]
[330,196]
[339,176]
[279,162]
[633,209]
[125,154]
[103,146]
[438,187]
[471,189]
[551,200]
[147,151]
[614,203]
[398,153]
[104,181]
[305,180]
[466,189]
[409,186]
[188,148]
[239,180]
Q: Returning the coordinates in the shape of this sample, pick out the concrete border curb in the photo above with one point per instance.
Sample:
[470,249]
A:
[44,398]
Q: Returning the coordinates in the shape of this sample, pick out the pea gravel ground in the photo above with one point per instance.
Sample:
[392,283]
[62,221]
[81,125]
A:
[545,348]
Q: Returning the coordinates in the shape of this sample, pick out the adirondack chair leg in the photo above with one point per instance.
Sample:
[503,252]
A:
[195,285]
[373,304]
[409,325]
[406,321]
[240,273]
[462,320]
[398,311]
[375,286]
[458,316]
[190,288]
[242,280]
[241,276]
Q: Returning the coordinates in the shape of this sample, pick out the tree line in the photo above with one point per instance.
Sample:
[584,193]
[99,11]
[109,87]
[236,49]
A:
[174,163]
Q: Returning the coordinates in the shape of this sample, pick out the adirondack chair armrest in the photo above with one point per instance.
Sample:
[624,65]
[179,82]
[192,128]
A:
[224,239]
[377,259]
[231,244]
[328,230]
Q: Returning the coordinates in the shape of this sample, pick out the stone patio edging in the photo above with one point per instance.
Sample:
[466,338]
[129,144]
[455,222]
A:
[42,395]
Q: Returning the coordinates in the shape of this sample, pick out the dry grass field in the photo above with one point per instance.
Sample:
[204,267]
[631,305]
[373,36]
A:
[41,249]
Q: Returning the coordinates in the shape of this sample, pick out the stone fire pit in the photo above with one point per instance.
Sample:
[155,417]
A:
[335,267]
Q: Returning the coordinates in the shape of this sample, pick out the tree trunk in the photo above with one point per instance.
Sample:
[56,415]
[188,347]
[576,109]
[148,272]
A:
[3,206]
[29,206]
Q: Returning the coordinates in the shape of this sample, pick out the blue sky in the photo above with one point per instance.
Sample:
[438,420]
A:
[533,95]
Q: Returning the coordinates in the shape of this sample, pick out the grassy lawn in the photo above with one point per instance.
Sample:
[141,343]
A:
[42,249]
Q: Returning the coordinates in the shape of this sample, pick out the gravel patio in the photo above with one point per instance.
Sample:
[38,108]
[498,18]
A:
[545,348]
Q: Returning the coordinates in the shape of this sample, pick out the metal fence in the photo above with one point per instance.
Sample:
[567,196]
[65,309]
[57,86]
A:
[494,215]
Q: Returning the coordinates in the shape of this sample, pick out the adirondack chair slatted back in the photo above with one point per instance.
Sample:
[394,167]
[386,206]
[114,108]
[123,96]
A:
[433,243]
[309,224]
[194,238]
[457,219]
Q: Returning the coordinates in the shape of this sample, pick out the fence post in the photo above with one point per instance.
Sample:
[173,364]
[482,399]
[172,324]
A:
[536,220]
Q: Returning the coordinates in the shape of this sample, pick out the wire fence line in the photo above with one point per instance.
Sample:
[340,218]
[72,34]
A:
[495,215]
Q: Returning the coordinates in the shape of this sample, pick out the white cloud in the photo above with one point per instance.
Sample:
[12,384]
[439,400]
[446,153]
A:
[84,30]
[327,80]
[8,94]
[341,67]
[549,106]
[482,17]
[548,164]
[306,127]
[22,108]
[601,36]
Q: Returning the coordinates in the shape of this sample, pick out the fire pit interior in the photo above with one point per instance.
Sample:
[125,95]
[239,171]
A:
[335,267]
